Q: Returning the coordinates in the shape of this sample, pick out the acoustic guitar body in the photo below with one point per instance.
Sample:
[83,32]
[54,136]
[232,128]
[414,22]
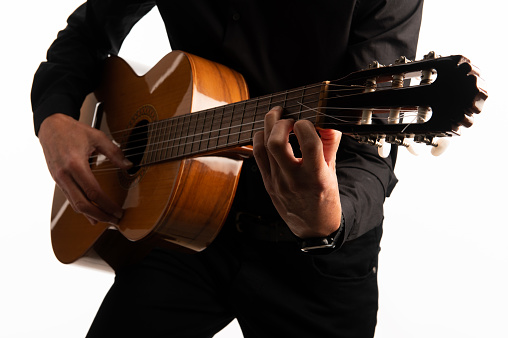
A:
[181,203]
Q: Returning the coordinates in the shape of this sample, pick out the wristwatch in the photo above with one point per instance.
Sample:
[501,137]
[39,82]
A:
[323,245]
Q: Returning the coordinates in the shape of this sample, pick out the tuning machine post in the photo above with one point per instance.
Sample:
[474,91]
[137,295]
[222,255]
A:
[438,144]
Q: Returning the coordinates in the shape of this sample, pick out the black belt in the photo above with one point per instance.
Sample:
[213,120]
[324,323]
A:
[262,229]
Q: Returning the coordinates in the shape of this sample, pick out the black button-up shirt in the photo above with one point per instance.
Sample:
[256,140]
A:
[276,45]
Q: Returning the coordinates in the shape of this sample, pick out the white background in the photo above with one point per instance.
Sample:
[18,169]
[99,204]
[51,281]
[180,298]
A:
[443,263]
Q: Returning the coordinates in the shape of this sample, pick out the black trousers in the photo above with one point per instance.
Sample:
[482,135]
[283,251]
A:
[273,289]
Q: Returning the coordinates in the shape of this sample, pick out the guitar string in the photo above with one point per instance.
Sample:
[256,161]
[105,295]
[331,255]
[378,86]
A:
[162,125]
[232,135]
[403,114]
[191,143]
[231,107]
[159,124]
[229,110]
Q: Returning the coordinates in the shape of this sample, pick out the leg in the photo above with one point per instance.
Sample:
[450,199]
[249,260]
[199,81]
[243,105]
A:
[283,293]
[167,295]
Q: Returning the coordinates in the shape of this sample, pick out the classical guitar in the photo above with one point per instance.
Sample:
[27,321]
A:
[188,123]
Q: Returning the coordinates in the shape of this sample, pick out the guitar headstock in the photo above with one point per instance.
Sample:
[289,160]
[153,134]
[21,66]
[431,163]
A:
[373,107]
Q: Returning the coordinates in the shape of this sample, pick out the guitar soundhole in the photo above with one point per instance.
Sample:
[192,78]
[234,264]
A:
[136,146]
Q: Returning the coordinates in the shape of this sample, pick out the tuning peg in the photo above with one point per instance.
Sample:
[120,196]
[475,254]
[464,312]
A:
[403,142]
[384,148]
[439,146]
[411,147]
[431,55]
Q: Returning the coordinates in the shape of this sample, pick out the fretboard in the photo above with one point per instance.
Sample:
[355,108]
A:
[227,126]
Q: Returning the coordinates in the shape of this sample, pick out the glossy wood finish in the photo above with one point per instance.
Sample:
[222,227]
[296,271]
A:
[183,202]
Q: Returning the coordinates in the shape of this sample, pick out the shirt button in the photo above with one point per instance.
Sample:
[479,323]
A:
[236,16]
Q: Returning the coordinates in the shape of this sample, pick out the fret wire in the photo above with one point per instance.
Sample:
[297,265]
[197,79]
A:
[189,135]
[167,137]
[234,129]
[201,127]
[253,124]
[186,133]
[246,124]
[243,113]
[204,143]
[221,128]
[150,144]
[224,126]
[173,136]
[160,138]
[265,104]
[180,133]
[155,142]
[193,131]
[219,123]
[197,133]
[187,121]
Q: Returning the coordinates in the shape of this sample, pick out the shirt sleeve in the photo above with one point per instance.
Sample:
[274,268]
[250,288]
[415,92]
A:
[382,30]
[94,31]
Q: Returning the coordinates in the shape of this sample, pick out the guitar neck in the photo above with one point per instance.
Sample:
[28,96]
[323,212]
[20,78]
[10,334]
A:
[423,112]
[227,126]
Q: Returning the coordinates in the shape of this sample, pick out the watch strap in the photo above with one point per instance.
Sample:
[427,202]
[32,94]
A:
[323,244]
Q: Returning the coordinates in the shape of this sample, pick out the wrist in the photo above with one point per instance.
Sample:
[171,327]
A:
[323,244]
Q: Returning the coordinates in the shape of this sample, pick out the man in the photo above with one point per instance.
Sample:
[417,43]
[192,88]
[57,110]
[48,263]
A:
[327,191]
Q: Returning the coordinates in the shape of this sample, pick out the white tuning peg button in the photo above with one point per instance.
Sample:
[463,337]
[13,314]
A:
[439,146]
[384,148]
[411,147]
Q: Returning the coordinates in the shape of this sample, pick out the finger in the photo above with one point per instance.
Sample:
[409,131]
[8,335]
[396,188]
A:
[94,193]
[106,147]
[331,141]
[279,147]
[271,118]
[310,144]
[261,155]
[277,144]
[81,204]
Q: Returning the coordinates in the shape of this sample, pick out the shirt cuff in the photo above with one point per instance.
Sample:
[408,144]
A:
[58,103]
